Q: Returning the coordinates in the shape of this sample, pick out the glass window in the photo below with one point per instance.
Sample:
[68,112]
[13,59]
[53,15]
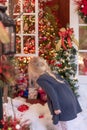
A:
[26,15]
[82,63]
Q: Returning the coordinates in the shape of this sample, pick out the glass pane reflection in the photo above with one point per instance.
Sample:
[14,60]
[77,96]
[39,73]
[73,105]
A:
[18,44]
[29,44]
[81,20]
[83,63]
[83,38]
[29,24]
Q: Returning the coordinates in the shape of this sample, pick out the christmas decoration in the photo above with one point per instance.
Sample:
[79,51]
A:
[48,29]
[7,73]
[66,39]
[13,122]
[22,80]
[66,57]
[82,9]
[10,123]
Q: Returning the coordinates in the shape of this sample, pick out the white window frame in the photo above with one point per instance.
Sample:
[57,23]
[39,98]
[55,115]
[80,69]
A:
[36,30]
[74,23]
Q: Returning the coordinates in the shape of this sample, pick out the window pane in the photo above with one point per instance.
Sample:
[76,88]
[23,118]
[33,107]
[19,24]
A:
[18,44]
[29,44]
[29,24]
[17,8]
[83,38]
[81,20]
[29,6]
[18,25]
[83,63]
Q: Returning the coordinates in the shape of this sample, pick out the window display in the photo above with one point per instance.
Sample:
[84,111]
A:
[26,17]
[83,63]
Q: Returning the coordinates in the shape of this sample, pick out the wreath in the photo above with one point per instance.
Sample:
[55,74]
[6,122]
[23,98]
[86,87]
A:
[82,9]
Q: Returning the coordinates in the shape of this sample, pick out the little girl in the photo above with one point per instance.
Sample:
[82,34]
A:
[62,103]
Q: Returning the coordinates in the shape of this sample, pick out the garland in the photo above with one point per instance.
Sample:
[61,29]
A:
[82,9]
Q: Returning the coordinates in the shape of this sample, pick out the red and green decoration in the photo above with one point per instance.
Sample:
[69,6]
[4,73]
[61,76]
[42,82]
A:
[7,72]
[66,57]
[66,39]
[48,32]
[10,123]
[21,88]
[82,9]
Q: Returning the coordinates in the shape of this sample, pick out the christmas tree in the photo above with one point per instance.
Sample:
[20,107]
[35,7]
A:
[66,57]
[48,32]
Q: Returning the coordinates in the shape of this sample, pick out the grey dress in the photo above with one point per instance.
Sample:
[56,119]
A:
[60,96]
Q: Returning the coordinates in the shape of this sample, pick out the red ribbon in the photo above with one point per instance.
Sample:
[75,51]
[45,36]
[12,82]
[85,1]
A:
[66,35]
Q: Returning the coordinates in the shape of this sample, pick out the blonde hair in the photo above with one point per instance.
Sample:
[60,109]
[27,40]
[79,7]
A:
[38,66]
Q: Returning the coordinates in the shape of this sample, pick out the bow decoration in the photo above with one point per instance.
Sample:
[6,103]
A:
[66,39]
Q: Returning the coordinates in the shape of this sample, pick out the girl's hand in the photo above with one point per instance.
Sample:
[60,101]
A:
[57,112]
